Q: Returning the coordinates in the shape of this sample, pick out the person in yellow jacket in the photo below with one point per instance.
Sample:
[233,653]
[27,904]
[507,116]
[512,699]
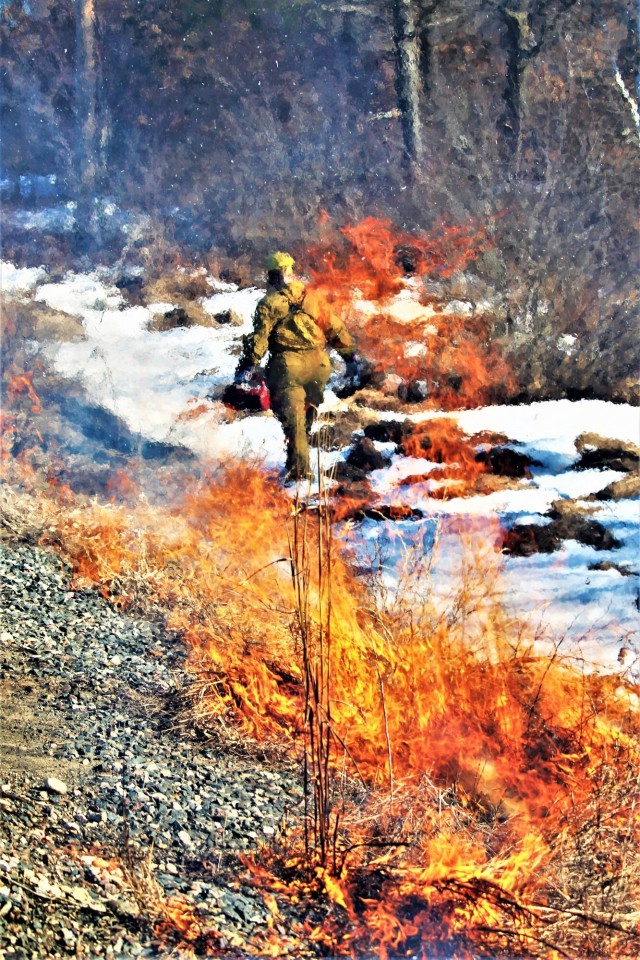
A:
[297,329]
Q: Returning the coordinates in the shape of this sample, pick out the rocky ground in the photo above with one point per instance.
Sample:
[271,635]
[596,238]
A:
[107,809]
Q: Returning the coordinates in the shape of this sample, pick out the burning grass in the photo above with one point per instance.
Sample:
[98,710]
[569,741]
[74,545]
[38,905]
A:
[372,262]
[441,441]
[470,797]
[466,796]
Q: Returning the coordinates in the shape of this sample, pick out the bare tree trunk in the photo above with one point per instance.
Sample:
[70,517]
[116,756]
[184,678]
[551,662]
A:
[626,66]
[521,44]
[408,79]
[526,22]
[634,34]
[425,32]
[86,87]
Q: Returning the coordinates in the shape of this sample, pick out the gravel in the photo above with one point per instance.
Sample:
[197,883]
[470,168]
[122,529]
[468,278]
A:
[91,770]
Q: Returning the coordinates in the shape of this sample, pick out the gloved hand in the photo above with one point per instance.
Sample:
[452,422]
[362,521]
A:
[358,371]
[352,369]
[244,373]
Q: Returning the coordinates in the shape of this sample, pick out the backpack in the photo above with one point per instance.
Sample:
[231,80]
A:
[305,324]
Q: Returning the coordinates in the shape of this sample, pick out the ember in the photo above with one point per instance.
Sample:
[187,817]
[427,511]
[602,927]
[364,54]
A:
[20,383]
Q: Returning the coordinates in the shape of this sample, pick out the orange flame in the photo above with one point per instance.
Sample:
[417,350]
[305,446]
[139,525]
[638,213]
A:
[194,411]
[121,486]
[178,921]
[370,261]
[473,750]
[443,442]
[23,383]
[373,255]
[62,492]
[476,756]
[17,426]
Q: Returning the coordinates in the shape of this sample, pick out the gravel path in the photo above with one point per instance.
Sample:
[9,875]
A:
[90,769]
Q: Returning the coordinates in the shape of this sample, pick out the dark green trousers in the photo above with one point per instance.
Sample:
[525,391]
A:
[297,380]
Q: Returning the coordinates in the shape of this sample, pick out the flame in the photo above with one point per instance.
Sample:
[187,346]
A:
[8,430]
[370,262]
[443,442]
[371,254]
[20,438]
[476,752]
[351,500]
[20,383]
[455,471]
[178,921]
[478,761]
[120,486]
[62,492]
[195,411]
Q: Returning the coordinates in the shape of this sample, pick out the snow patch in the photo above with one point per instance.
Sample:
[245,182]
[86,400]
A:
[17,282]
[221,286]
[242,302]
[550,424]
[150,379]
[155,381]
[79,294]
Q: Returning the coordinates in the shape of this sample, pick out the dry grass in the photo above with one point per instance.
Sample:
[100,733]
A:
[594,879]
[471,797]
[181,288]
[23,518]
[626,489]
[477,795]
[176,929]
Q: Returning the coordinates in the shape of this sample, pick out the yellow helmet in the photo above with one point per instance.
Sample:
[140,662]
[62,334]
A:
[280,261]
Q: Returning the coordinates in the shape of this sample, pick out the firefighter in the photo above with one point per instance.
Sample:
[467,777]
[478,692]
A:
[298,330]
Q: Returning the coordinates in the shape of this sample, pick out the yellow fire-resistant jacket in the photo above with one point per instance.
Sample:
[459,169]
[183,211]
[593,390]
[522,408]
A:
[292,319]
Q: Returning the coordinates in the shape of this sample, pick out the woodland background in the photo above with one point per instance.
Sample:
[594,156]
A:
[210,131]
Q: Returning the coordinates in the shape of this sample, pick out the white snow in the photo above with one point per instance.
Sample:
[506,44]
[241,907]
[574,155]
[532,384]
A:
[228,297]
[593,611]
[16,282]
[79,294]
[153,380]
[530,496]
[150,379]
[551,425]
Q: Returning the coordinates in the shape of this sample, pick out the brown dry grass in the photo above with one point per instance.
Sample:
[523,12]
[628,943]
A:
[577,887]
[23,517]
[37,320]
[625,489]
[180,288]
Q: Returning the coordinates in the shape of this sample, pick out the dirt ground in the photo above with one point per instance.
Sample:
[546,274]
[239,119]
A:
[27,730]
